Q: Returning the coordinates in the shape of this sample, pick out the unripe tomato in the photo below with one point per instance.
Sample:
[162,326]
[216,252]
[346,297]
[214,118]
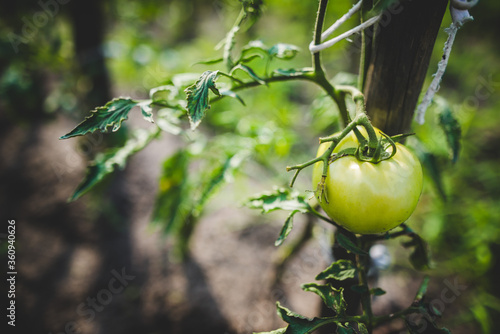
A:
[368,198]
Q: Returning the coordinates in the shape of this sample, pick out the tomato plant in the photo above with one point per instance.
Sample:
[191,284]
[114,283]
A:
[365,181]
[365,197]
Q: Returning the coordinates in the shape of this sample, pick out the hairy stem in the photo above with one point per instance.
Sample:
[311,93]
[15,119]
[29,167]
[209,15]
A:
[319,73]
[362,120]
[366,304]
[357,97]
[320,18]
[337,97]
[320,80]
[241,85]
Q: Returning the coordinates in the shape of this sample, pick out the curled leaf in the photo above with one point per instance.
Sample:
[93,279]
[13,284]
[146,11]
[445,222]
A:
[248,71]
[298,324]
[333,298]
[110,115]
[116,158]
[339,270]
[279,199]
[197,97]
[452,130]
[232,94]
[348,244]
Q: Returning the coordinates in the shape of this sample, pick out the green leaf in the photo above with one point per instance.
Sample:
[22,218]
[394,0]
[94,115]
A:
[163,95]
[422,290]
[210,61]
[431,166]
[256,45]
[217,176]
[168,120]
[293,72]
[339,270]
[232,94]
[348,244]
[101,118]
[345,78]
[362,328]
[250,58]
[115,158]
[147,110]
[277,331]
[452,130]
[283,51]
[286,229]
[419,258]
[197,97]
[443,330]
[249,71]
[280,50]
[345,328]
[280,199]
[377,292]
[482,316]
[298,324]
[333,298]
[172,200]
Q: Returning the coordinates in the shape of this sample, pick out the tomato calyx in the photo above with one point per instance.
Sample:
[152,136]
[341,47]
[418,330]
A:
[373,149]
[386,149]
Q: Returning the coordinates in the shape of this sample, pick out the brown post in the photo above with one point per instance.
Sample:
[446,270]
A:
[397,58]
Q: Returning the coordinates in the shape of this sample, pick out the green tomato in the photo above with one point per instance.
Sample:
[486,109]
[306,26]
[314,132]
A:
[368,198]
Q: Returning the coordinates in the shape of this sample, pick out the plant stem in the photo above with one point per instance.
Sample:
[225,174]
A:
[320,18]
[326,157]
[325,218]
[357,97]
[317,75]
[362,264]
[293,249]
[375,237]
[319,72]
[278,78]
[337,96]
[362,60]
[361,120]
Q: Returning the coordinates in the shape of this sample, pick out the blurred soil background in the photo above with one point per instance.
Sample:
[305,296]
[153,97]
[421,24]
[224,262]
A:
[69,253]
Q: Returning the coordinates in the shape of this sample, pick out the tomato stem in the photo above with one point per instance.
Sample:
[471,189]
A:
[362,262]
[360,120]
[375,150]
[356,95]
[318,27]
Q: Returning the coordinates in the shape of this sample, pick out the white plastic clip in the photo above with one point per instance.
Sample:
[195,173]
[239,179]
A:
[315,48]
